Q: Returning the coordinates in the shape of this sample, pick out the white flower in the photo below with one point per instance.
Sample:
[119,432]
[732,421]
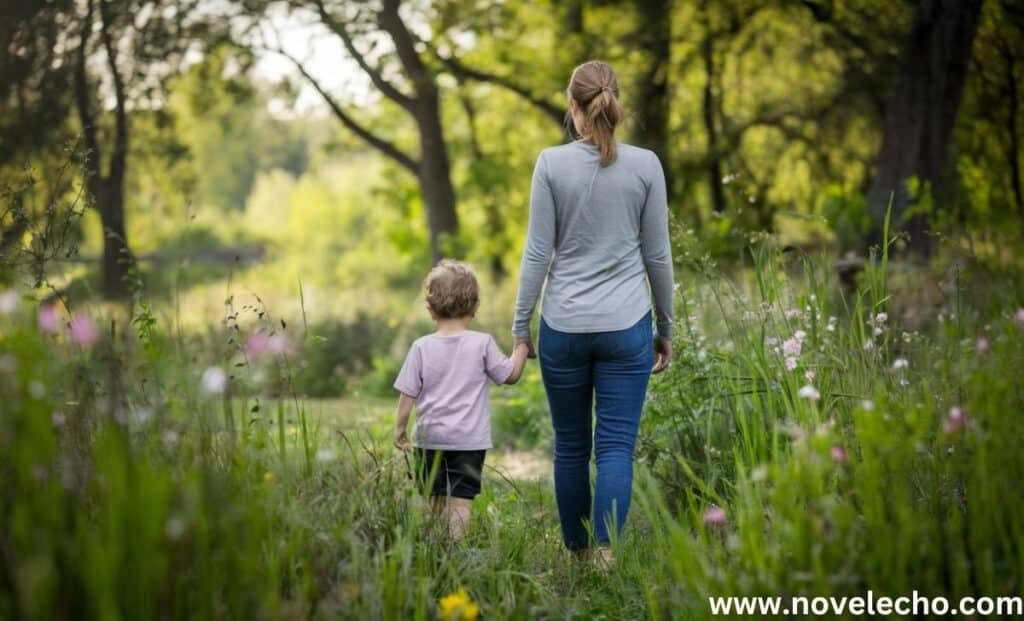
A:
[792,347]
[867,405]
[325,456]
[809,375]
[174,528]
[770,341]
[900,363]
[792,313]
[9,302]
[869,344]
[809,392]
[881,318]
[170,438]
[800,335]
[877,331]
[213,381]
[790,363]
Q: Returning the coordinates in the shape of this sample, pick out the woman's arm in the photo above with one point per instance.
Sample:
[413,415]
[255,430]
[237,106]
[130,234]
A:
[657,251]
[540,243]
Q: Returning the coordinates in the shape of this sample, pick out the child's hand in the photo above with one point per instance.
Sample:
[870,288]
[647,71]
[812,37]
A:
[402,440]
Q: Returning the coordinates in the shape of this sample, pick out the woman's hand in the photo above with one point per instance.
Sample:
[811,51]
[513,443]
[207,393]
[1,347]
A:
[528,341]
[662,354]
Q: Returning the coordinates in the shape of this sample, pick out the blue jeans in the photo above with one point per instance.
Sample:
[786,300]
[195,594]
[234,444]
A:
[604,373]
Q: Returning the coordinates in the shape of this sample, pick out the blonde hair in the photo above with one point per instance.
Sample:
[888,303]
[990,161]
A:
[452,291]
[595,89]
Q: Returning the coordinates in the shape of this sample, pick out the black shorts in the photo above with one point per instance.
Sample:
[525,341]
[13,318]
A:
[457,473]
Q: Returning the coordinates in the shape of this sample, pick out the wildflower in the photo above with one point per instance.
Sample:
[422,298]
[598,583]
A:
[881,318]
[800,335]
[213,381]
[49,320]
[809,392]
[269,477]
[714,515]
[867,405]
[325,456]
[792,347]
[256,345]
[955,421]
[36,389]
[809,375]
[457,606]
[900,363]
[170,438]
[983,345]
[797,434]
[792,313]
[58,419]
[9,302]
[279,344]
[838,454]
[1019,317]
[770,341]
[174,528]
[82,330]
[790,363]
[869,344]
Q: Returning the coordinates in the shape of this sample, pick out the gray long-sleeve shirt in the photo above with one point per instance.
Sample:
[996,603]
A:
[598,234]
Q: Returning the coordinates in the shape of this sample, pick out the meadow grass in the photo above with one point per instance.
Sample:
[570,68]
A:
[803,443]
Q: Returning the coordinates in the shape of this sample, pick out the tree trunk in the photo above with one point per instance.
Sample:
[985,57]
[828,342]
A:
[118,260]
[1013,131]
[435,174]
[652,88]
[921,114]
[714,158]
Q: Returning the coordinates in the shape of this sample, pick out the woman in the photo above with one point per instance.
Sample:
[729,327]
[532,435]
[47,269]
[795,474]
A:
[598,233]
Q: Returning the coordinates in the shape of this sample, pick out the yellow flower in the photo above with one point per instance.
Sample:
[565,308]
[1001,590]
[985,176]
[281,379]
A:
[458,607]
[269,477]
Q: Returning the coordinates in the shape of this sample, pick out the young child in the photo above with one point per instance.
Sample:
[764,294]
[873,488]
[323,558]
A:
[445,375]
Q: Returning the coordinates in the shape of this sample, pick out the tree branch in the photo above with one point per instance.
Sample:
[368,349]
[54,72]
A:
[461,71]
[386,88]
[375,141]
[120,152]
[405,46]
[82,92]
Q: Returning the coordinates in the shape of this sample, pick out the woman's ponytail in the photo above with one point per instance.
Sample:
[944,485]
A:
[595,89]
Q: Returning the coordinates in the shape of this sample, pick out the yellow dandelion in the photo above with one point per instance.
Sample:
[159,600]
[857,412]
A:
[458,607]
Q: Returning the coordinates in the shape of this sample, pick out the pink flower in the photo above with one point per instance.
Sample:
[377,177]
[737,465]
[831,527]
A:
[809,375]
[260,343]
[983,345]
[770,341]
[955,421]
[792,347]
[800,335]
[797,434]
[838,454]
[714,515]
[256,345]
[82,330]
[49,320]
[792,313]
[790,363]
[1019,317]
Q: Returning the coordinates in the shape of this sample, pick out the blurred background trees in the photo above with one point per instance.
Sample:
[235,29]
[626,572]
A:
[414,125]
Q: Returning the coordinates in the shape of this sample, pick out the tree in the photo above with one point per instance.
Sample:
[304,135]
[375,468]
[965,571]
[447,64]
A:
[354,24]
[124,49]
[920,115]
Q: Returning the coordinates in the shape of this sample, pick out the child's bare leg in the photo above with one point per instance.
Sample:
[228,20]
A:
[458,510]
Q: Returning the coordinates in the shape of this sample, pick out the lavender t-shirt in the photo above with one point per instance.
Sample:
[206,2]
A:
[447,374]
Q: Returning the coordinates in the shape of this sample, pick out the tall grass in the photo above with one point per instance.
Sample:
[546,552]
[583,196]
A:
[134,485]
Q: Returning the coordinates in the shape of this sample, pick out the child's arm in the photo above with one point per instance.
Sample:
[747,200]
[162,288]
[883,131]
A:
[405,403]
[519,355]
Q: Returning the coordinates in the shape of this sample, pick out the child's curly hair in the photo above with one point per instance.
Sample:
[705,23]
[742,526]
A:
[452,290]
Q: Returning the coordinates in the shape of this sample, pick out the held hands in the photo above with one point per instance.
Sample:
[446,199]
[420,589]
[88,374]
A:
[662,354]
[402,440]
[527,342]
